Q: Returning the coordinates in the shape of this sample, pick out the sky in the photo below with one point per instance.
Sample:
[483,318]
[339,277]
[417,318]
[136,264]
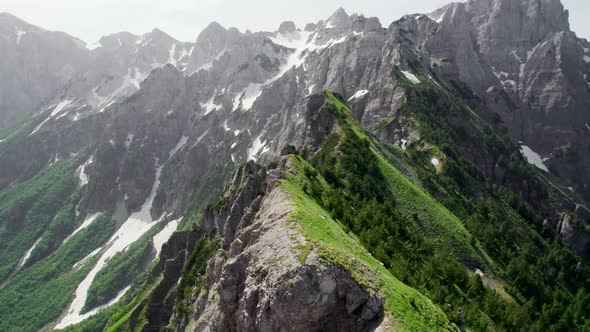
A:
[184,19]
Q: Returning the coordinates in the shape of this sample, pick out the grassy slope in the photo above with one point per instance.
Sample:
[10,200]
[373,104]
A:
[411,311]
[440,224]
[119,271]
[28,208]
[38,294]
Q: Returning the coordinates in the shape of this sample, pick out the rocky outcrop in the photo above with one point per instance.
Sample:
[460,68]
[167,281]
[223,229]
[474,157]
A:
[261,282]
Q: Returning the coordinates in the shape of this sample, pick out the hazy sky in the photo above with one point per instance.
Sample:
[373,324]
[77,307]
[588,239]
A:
[184,19]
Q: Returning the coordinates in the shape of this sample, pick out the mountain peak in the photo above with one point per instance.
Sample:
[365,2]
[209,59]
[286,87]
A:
[159,34]
[338,18]
[287,27]
[9,19]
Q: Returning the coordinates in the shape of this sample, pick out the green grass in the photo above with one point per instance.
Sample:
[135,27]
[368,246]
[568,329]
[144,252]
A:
[38,294]
[119,272]
[9,133]
[28,209]
[447,231]
[410,310]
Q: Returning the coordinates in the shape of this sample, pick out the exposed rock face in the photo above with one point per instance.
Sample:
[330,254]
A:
[235,96]
[259,282]
[147,105]
[521,58]
[34,64]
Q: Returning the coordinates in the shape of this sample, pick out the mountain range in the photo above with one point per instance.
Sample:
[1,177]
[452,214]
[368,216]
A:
[343,176]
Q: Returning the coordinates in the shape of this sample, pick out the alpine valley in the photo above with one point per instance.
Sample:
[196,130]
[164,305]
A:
[431,175]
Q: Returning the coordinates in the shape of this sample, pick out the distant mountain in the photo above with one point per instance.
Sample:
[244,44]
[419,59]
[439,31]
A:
[342,176]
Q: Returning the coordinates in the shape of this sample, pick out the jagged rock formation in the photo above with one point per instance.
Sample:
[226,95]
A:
[158,121]
[259,281]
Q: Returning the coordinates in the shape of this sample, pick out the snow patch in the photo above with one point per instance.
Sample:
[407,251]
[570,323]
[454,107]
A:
[438,17]
[81,172]
[411,77]
[164,235]
[128,140]
[87,222]
[200,138]
[359,94]
[93,46]
[172,54]
[83,261]
[490,89]
[181,143]
[586,59]
[132,229]
[257,148]
[19,34]
[513,52]
[226,126]
[209,64]
[39,126]
[248,96]
[104,108]
[479,273]
[435,82]
[24,260]
[210,105]
[533,158]
[61,106]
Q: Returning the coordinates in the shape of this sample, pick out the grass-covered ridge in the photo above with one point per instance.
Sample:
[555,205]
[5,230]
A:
[443,228]
[503,208]
[409,310]
[358,182]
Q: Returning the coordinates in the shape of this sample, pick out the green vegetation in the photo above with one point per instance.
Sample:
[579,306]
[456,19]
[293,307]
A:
[427,246]
[119,272]
[412,311]
[61,226]
[27,209]
[16,129]
[194,270]
[540,272]
[41,292]
[134,315]
[104,317]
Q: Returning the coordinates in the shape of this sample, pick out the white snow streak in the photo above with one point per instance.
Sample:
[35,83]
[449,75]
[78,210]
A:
[24,260]
[532,157]
[210,105]
[359,94]
[19,34]
[257,148]
[87,222]
[181,143]
[85,259]
[61,106]
[164,235]
[411,77]
[81,172]
[132,229]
